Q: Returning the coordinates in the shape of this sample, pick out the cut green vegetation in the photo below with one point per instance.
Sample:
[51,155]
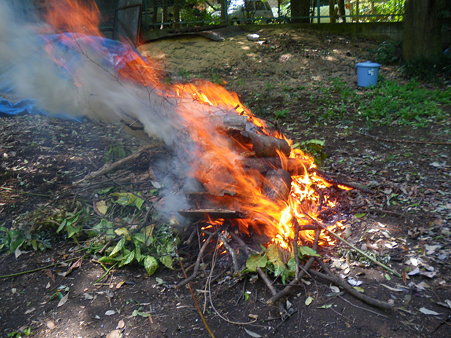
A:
[119,229]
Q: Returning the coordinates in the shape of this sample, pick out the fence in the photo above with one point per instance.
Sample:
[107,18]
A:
[158,14]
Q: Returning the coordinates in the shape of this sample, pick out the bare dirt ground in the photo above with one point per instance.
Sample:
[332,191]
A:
[405,220]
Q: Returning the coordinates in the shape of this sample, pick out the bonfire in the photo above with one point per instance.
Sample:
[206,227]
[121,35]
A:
[240,185]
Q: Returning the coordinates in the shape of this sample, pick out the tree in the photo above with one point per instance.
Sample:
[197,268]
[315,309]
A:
[300,8]
[422,30]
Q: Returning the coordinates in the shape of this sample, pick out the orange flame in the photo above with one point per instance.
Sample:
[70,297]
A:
[75,17]
[219,158]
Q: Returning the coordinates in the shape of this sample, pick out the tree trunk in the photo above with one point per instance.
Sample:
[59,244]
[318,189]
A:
[422,30]
[342,10]
[224,16]
[177,5]
[332,11]
[300,8]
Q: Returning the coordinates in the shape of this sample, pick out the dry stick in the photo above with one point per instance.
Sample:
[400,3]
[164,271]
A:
[213,263]
[111,166]
[331,277]
[372,259]
[196,302]
[196,266]
[362,308]
[232,252]
[377,138]
[287,290]
[243,245]
[268,283]
[38,269]
[295,245]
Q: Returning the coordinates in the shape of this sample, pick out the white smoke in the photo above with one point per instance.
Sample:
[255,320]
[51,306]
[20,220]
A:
[92,91]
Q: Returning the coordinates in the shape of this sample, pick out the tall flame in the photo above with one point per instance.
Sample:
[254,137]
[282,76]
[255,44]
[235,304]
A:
[219,159]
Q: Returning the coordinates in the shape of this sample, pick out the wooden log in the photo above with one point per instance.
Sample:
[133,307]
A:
[214,213]
[292,165]
[260,145]
[229,121]
[278,184]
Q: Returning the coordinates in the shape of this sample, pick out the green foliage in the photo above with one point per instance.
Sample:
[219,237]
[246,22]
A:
[282,113]
[116,227]
[184,74]
[277,261]
[403,104]
[26,332]
[17,239]
[71,223]
[315,148]
[114,153]
[386,53]
[149,247]
[128,199]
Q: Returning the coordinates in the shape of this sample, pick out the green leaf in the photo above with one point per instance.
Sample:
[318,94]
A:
[307,251]
[292,265]
[104,191]
[309,300]
[360,215]
[128,259]
[325,306]
[107,260]
[139,238]
[314,141]
[128,199]
[273,254]
[139,257]
[359,289]
[118,247]
[61,227]
[280,270]
[104,227]
[167,261]
[256,261]
[137,313]
[71,230]
[150,264]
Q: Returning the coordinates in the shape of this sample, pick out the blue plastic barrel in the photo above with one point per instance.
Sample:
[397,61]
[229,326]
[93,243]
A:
[367,73]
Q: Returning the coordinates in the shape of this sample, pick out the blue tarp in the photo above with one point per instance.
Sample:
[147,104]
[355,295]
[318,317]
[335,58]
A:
[113,54]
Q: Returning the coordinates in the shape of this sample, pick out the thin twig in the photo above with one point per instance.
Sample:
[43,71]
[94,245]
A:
[213,263]
[288,289]
[232,253]
[196,302]
[362,308]
[39,269]
[363,253]
[198,260]
[383,139]
[106,273]
[268,283]
[331,277]
[295,246]
[111,166]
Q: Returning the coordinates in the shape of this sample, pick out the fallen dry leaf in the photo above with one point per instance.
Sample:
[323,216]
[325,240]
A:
[114,334]
[102,208]
[50,324]
[63,300]
[120,324]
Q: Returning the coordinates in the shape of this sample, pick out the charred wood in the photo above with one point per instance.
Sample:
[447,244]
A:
[214,213]
[278,184]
